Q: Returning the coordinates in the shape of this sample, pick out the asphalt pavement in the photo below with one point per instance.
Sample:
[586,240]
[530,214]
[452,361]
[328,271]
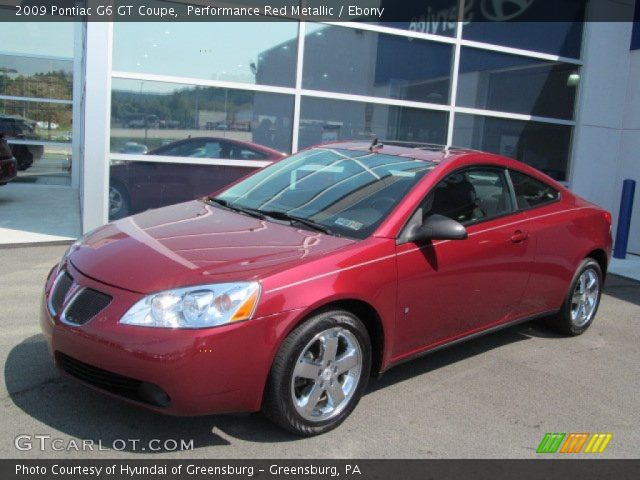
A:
[492,397]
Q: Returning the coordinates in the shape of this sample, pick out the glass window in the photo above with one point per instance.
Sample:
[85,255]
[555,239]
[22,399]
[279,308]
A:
[556,37]
[42,165]
[470,196]
[22,76]
[544,146]
[43,38]
[531,192]
[349,192]
[138,186]
[348,60]
[512,83]
[22,120]
[323,120]
[435,17]
[257,52]
[154,114]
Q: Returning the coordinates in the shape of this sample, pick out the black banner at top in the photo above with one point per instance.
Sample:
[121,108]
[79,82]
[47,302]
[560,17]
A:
[407,14]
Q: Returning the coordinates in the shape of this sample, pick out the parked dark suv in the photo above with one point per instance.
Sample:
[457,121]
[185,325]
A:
[8,164]
[17,128]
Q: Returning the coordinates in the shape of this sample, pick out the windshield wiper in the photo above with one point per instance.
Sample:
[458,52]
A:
[278,215]
[236,208]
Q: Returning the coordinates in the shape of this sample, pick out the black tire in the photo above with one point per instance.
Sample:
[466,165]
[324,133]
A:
[563,322]
[124,205]
[278,403]
[23,156]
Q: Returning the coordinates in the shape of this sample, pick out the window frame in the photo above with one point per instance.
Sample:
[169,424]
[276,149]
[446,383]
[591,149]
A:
[515,197]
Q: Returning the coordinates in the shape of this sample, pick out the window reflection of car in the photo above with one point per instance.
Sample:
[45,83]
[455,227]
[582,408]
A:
[8,164]
[17,128]
[138,186]
[150,121]
[134,148]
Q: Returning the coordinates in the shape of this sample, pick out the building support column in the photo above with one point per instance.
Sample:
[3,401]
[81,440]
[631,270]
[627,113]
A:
[96,107]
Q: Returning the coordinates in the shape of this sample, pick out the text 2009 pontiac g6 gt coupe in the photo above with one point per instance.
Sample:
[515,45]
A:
[288,290]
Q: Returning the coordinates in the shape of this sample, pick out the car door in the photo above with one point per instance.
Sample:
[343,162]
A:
[137,180]
[180,181]
[447,289]
[555,242]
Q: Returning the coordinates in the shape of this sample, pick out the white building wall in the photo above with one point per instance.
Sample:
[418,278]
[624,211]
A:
[599,161]
[630,146]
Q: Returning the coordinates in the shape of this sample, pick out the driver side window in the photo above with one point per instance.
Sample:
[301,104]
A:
[470,196]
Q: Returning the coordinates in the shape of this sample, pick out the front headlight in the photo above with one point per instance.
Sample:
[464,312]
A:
[199,306]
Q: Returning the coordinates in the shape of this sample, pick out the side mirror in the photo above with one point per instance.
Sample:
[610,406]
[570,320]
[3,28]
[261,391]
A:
[439,227]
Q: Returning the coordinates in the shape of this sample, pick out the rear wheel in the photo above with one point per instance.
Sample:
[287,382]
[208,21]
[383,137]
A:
[580,306]
[319,374]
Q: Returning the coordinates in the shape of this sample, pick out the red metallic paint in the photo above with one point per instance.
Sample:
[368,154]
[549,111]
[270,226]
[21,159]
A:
[424,296]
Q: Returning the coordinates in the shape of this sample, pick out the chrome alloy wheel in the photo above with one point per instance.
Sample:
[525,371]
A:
[585,298]
[115,201]
[326,374]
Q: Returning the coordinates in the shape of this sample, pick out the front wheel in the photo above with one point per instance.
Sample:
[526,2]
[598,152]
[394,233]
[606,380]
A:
[319,374]
[580,306]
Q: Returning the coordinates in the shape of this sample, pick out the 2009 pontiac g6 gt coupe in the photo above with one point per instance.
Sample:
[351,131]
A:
[288,290]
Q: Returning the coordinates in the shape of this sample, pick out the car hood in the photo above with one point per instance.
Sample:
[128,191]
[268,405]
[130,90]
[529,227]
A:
[194,243]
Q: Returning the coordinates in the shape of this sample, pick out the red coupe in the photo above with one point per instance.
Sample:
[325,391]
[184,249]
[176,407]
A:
[287,291]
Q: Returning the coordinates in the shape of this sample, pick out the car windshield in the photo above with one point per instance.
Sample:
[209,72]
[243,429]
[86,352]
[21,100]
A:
[341,192]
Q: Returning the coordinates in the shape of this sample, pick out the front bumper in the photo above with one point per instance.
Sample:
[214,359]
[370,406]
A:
[206,371]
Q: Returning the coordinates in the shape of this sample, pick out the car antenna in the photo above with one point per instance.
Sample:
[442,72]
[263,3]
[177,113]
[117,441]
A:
[375,145]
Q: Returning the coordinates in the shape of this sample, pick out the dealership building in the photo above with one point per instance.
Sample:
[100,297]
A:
[89,100]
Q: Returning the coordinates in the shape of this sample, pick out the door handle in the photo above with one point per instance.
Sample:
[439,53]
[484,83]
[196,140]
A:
[519,236]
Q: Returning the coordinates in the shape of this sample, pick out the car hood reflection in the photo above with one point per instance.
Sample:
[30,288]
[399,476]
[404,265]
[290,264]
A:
[194,243]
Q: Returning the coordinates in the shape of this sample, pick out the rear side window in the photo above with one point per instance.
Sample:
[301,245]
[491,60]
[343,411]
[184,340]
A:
[240,153]
[531,192]
[193,149]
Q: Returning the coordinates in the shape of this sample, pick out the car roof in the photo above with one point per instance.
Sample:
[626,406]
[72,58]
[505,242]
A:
[418,151]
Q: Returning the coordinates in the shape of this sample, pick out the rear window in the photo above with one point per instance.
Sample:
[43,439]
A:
[531,192]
